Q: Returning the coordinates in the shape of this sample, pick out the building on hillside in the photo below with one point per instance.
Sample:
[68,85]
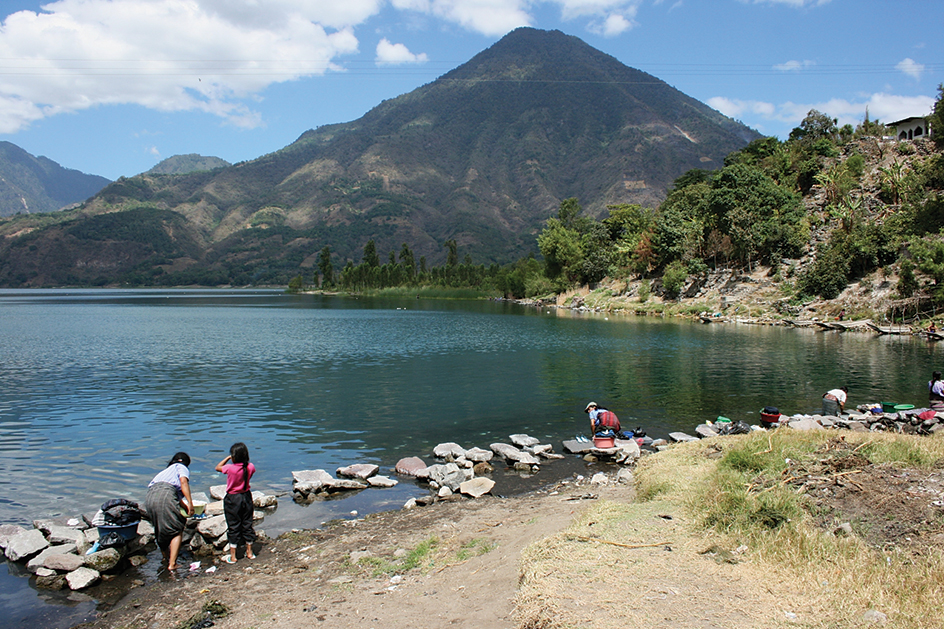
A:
[910,128]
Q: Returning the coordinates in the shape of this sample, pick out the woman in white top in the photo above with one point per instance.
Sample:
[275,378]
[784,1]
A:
[167,494]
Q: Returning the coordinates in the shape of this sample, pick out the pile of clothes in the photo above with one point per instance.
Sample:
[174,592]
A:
[116,513]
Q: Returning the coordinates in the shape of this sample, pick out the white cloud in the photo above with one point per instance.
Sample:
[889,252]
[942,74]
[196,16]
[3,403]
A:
[393,54]
[168,55]
[611,26]
[488,17]
[794,66]
[881,106]
[910,67]
[734,108]
[799,4]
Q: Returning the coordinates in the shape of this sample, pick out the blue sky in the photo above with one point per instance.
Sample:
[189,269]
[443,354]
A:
[111,87]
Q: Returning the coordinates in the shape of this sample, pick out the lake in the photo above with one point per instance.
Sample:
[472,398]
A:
[98,388]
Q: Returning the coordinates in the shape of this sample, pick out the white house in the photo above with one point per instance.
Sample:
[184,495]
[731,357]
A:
[910,128]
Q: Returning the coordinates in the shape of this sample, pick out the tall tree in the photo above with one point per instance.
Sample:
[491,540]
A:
[371,258]
[407,262]
[324,265]
[452,255]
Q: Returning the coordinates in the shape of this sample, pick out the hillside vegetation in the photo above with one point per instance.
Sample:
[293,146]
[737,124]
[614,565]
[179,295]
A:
[830,213]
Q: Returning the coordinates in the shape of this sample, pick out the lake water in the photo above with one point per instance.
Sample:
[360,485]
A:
[98,388]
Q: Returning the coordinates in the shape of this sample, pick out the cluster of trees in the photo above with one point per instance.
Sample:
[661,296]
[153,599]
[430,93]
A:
[750,211]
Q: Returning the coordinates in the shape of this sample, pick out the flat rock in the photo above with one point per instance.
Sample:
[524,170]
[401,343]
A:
[540,449]
[38,561]
[805,424]
[218,492]
[26,544]
[81,578]
[308,481]
[382,481]
[476,487]
[524,441]
[511,453]
[681,437]
[345,484]
[479,455]
[443,450]
[362,471]
[577,447]
[704,431]
[63,562]
[64,535]
[409,466]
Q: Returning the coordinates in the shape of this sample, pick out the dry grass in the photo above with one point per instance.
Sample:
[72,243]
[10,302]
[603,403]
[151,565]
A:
[730,495]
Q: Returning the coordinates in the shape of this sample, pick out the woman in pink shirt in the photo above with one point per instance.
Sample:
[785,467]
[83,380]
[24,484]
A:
[237,504]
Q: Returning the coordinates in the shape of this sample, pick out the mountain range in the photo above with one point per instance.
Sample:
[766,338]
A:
[30,184]
[482,155]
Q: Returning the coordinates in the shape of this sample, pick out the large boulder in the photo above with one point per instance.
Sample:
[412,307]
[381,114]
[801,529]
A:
[627,452]
[26,544]
[7,531]
[212,527]
[102,561]
[218,492]
[409,466]
[449,475]
[261,501]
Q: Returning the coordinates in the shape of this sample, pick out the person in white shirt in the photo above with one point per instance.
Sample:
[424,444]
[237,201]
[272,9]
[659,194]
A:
[834,401]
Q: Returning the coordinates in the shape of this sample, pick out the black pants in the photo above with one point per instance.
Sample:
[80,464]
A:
[238,511]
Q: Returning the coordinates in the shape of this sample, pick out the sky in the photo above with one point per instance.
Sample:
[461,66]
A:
[112,87]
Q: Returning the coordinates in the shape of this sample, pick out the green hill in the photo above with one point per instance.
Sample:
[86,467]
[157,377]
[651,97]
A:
[184,164]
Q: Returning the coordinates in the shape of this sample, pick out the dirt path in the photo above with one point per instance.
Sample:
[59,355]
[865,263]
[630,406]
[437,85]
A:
[469,578]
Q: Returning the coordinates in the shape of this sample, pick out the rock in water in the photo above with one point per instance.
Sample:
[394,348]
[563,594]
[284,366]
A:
[409,466]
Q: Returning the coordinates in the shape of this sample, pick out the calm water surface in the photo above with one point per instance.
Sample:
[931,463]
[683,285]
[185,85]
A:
[99,387]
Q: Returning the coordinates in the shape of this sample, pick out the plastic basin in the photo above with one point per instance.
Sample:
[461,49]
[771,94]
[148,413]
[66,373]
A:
[904,407]
[127,532]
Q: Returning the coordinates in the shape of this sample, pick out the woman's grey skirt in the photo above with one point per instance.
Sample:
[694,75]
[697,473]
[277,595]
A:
[163,509]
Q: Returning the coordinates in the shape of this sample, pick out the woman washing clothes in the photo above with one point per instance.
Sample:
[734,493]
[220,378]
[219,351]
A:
[168,493]
[936,392]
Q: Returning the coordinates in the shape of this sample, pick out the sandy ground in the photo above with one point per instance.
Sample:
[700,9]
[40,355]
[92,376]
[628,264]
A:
[307,579]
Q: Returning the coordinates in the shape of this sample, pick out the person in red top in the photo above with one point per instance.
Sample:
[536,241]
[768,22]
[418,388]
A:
[237,504]
[601,419]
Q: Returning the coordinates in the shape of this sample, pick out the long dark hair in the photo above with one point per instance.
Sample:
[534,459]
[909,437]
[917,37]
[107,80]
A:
[180,457]
[240,454]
